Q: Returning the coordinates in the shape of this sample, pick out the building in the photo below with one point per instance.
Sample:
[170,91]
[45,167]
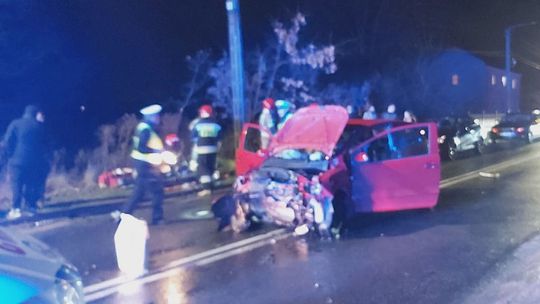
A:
[461,83]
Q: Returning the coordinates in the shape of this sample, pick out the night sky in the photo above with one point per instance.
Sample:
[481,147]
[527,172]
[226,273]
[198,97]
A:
[112,57]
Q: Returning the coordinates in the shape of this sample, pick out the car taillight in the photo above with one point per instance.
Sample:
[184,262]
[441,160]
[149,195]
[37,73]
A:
[495,130]
[361,157]
[520,130]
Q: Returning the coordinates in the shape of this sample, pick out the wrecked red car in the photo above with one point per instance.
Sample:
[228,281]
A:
[322,156]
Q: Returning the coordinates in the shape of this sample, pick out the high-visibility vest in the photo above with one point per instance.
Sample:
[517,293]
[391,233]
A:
[153,143]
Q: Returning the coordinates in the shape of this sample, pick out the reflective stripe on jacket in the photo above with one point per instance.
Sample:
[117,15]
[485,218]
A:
[205,149]
[149,151]
[205,133]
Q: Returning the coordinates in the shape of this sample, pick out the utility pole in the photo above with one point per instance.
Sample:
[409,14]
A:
[507,64]
[510,106]
[237,65]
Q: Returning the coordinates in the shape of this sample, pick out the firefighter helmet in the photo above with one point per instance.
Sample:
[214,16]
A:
[268,103]
[205,110]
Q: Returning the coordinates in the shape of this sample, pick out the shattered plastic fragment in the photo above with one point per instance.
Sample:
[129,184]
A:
[301,230]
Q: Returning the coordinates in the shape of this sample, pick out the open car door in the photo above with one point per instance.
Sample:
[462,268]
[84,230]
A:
[397,169]
[252,148]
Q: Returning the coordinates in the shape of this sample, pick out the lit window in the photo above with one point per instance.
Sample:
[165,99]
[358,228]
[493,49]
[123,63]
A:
[455,79]
[493,80]
[503,79]
[514,83]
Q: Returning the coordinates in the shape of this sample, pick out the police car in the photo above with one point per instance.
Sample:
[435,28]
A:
[32,272]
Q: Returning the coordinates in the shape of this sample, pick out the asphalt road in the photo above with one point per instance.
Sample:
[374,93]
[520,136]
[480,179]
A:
[424,256]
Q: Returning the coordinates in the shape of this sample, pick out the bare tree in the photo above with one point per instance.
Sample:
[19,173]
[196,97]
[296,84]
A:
[284,68]
[199,65]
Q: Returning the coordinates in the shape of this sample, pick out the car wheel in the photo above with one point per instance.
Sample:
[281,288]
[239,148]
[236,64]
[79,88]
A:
[530,137]
[480,147]
[452,153]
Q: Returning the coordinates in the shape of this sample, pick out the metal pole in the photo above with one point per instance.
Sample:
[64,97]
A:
[508,62]
[237,66]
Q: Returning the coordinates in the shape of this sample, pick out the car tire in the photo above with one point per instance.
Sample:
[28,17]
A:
[452,153]
[480,147]
[530,137]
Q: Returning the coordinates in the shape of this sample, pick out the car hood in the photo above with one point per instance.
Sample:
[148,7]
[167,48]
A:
[312,128]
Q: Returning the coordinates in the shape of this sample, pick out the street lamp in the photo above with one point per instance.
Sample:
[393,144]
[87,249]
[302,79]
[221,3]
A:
[508,61]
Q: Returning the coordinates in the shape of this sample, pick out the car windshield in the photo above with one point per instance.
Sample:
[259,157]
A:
[300,154]
[353,135]
[310,163]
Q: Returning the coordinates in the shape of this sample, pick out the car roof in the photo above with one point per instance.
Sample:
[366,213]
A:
[373,122]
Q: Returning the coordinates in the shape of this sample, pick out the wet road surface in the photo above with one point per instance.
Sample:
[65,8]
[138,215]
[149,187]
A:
[422,256]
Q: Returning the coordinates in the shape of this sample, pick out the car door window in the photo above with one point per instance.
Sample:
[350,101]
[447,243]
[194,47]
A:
[399,144]
[411,142]
[255,140]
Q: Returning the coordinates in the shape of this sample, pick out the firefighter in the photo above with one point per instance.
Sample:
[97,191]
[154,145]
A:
[268,116]
[205,133]
[147,157]
[285,110]
[26,147]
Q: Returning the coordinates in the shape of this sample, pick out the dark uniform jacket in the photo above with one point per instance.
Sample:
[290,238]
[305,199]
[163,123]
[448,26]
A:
[25,142]
[205,134]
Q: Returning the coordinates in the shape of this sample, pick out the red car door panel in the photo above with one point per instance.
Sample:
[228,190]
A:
[252,149]
[396,170]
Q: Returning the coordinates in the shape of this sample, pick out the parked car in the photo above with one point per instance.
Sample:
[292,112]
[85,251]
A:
[516,126]
[32,272]
[367,166]
[459,135]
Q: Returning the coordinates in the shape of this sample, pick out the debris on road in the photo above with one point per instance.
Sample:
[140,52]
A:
[489,174]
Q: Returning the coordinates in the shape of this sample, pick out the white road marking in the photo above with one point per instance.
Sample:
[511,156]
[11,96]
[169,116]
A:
[474,174]
[106,288]
[102,293]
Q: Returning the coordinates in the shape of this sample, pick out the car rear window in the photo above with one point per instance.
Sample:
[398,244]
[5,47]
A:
[517,118]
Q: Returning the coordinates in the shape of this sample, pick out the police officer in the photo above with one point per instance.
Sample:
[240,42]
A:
[26,147]
[205,133]
[147,157]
